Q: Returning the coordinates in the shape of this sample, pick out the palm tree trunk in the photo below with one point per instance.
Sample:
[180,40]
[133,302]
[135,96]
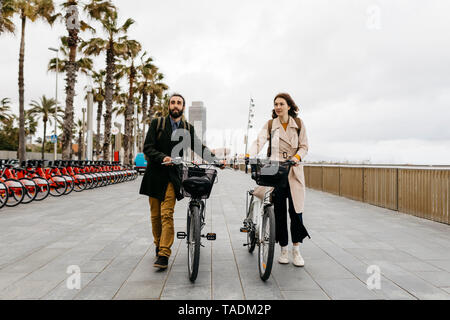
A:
[152,104]
[109,90]
[43,139]
[99,118]
[70,94]
[22,147]
[144,117]
[80,148]
[127,141]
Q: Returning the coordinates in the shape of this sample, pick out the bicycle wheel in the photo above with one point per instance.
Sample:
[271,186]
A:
[266,246]
[58,186]
[80,183]
[43,188]
[16,192]
[70,184]
[251,236]
[193,228]
[31,190]
[3,195]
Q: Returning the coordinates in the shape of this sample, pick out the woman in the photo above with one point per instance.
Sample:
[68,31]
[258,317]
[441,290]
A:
[288,142]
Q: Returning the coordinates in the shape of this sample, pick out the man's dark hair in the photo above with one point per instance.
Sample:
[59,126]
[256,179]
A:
[177,95]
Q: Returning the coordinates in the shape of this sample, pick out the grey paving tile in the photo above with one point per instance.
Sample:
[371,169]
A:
[442,264]
[7,279]
[62,291]
[138,290]
[346,289]
[91,292]
[436,278]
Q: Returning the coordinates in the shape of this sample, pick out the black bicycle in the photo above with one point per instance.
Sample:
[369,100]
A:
[259,222]
[197,182]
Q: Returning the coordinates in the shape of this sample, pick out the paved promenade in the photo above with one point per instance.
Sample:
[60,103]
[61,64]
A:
[107,233]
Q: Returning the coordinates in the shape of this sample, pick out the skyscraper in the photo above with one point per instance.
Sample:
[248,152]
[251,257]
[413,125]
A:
[197,118]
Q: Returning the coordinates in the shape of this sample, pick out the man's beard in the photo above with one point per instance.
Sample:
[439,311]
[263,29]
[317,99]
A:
[175,113]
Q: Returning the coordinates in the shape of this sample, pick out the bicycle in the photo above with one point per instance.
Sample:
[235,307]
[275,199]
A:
[197,183]
[259,222]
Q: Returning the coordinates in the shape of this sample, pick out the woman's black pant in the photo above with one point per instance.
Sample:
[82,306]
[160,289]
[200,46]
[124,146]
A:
[298,230]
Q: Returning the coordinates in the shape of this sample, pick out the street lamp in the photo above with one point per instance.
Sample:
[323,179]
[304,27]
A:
[251,115]
[56,100]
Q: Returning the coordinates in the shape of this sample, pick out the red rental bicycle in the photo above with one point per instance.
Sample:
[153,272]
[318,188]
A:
[14,188]
[30,188]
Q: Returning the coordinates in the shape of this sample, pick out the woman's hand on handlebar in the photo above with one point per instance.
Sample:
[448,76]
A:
[295,160]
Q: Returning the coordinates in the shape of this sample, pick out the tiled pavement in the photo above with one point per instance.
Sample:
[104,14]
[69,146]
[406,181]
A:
[106,232]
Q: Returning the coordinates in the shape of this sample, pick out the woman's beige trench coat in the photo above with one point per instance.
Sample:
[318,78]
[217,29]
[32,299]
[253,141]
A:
[286,143]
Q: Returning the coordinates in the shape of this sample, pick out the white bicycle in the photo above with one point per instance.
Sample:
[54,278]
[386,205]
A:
[259,222]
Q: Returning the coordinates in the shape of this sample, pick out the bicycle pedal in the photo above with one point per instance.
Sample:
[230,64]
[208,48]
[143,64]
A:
[181,235]
[244,230]
[211,236]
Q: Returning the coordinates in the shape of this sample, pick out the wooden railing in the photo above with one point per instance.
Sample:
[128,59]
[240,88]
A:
[420,191]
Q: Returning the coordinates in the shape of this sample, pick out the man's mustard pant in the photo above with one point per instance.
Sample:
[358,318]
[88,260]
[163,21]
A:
[162,221]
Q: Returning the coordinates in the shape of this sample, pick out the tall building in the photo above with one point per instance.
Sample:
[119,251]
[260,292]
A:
[197,118]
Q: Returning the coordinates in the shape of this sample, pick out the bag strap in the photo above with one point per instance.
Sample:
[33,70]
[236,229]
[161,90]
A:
[159,130]
[269,135]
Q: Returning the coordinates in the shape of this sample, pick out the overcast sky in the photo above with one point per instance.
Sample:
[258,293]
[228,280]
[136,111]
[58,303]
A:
[372,78]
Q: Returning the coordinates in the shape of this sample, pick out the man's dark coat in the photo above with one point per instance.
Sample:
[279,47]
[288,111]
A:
[157,176]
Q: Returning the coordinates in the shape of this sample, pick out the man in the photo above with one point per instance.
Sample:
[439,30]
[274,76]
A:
[162,183]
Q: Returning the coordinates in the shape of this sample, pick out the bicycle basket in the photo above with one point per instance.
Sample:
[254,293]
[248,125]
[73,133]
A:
[198,182]
[270,174]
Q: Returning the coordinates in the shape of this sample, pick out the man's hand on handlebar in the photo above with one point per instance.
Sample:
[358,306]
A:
[167,161]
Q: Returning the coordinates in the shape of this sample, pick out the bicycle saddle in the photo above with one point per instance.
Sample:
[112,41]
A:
[197,186]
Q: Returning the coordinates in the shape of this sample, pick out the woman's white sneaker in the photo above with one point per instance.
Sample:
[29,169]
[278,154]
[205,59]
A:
[298,259]
[284,257]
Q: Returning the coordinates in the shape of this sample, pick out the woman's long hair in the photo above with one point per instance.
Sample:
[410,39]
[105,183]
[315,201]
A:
[293,112]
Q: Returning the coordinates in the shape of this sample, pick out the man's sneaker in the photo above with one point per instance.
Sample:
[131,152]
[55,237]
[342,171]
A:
[156,250]
[162,262]
[284,257]
[298,259]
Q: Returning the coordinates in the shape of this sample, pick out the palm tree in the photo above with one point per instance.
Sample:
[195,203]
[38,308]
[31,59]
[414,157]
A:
[5,109]
[150,85]
[6,12]
[112,46]
[162,106]
[131,50]
[84,64]
[99,98]
[44,109]
[73,26]
[28,10]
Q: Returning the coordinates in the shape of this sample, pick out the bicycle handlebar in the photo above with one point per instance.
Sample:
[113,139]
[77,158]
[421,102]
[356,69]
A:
[179,161]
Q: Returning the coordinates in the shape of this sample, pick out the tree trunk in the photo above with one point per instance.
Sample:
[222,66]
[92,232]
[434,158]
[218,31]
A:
[152,104]
[70,94]
[99,119]
[109,91]
[22,146]
[80,148]
[43,139]
[144,117]
[127,141]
